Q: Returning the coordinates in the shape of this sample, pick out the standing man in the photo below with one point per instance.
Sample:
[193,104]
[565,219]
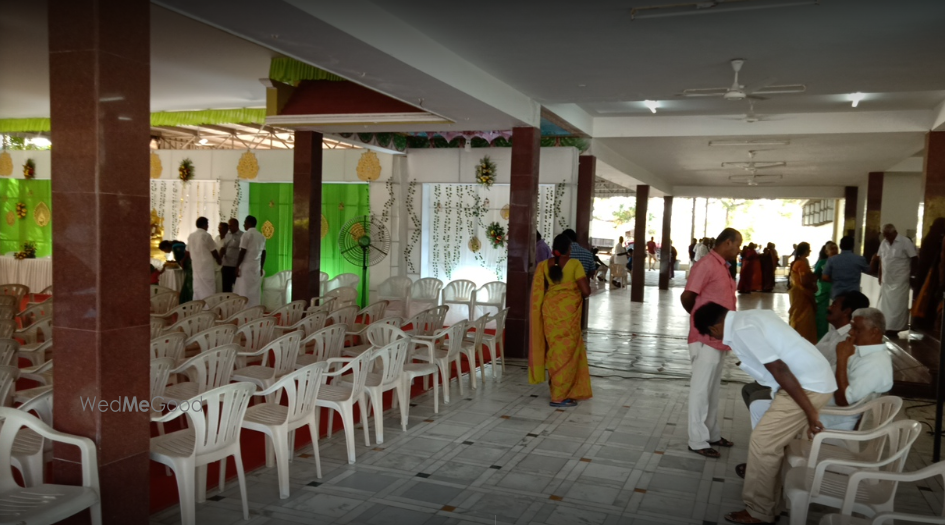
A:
[896,262]
[231,255]
[218,240]
[582,254]
[776,356]
[844,269]
[204,257]
[542,250]
[249,265]
[709,282]
[650,254]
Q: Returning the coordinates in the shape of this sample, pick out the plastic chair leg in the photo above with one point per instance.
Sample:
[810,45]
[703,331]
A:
[280,445]
[331,420]
[482,366]
[222,481]
[445,375]
[241,476]
[365,418]
[313,430]
[347,418]
[798,510]
[377,405]
[436,401]
[201,483]
[96,514]
[186,489]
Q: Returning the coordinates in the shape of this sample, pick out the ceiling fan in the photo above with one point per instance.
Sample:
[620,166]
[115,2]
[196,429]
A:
[754,179]
[738,92]
[751,116]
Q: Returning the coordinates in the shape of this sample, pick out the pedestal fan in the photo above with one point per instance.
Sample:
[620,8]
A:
[364,241]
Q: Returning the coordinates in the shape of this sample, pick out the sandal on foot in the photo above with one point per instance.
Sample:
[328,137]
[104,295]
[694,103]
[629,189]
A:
[707,452]
[743,516]
[722,442]
[740,469]
[564,404]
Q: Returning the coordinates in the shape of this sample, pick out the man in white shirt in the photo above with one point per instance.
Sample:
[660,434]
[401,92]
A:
[204,258]
[776,356]
[231,255]
[249,266]
[701,251]
[864,367]
[896,262]
[218,241]
[839,314]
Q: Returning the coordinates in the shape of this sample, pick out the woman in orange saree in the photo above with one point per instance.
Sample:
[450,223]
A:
[555,339]
[803,311]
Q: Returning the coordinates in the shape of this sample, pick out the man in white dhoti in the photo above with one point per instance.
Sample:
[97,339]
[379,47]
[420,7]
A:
[204,258]
[222,230]
[896,260]
[252,259]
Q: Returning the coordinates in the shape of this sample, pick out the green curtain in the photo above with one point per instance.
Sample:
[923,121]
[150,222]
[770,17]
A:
[31,193]
[273,203]
[340,203]
[291,71]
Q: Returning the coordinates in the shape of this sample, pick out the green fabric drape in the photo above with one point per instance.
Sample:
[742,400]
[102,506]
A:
[291,71]
[273,203]
[31,193]
[340,203]
[23,125]
[160,118]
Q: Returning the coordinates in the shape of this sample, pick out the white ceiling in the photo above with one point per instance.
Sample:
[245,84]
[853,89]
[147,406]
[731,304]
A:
[193,66]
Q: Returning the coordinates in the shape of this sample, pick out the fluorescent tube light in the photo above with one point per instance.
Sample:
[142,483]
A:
[856,98]
[652,104]
[749,142]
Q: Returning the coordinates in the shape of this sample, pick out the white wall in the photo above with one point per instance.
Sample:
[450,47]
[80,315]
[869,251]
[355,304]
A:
[902,194]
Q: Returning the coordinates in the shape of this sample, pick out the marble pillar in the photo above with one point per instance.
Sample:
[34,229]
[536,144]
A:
[306,215]
[638,275]
[99,80]
[666,243]
[874,205]
[934,177]
[851,197]
[587,169]
[523,221]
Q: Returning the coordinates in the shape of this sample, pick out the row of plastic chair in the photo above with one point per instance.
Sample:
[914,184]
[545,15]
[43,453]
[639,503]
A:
[429,292]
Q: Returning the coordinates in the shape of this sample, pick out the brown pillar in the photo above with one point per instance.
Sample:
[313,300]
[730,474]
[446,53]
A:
[851,198]
[638,276]
[934,176]
[99,90]
[587,169]
[874,205]
[666,243]
[306,215]
[523,212]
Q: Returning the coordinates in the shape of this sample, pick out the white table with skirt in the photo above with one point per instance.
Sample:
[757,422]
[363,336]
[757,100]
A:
[35,273]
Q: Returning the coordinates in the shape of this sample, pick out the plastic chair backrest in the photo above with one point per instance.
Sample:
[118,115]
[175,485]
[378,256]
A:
[157,327]
[289,314]
[312,323]
[218,298]
[160,369]
[427,288]
[7,327]
[9,300]
[212,337]
[217,425]
[480,326]
[380,335]
[499,319]
[345,315]
[7,311]
[328,342]
[41,405]
[157,289]
[492,294]
[8,377]
[392,358]
[244,316]
[255,334]
[344,296]
[227,308]
[163,302]
[460,291]
[323,277]
[187,309]
[8,349]
[43,329]
[372,312]
[323,300]
[285,352]
[359,367]
[343,280]
[301,389]
[395,287]
[901,436]
[193,324]
[16,290]
[212,368]
[168,345]
[454,344]
[876,414]
[36,312]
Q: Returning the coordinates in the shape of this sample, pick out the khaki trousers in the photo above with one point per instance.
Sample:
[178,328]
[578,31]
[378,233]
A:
[777,428]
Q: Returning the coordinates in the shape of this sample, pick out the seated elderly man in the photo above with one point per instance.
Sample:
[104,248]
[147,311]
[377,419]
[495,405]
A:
[776,356]
[864,367]
[839,314]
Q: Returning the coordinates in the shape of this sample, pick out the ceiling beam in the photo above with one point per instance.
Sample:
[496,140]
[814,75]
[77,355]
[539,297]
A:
[177,130]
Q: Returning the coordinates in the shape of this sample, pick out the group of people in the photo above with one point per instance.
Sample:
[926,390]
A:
[794,379]
[231,262]
[758,269]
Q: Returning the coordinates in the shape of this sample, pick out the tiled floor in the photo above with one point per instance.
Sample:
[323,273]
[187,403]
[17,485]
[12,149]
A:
[502,455]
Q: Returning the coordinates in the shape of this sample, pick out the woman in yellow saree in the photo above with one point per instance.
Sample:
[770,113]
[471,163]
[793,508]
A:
[803,311]
[555,341]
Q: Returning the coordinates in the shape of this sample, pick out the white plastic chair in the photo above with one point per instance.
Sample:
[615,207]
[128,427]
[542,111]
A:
[16,290]
[212,434]
[31,452]
[36,313]
[179,312]
[324,300]
[289,314]
[322,283]
[343,280]
[157,327]
[364,318]
[285,352]
[218,298]
[9,300]
[37,341]
[307,325]
[47,291]
[244,316]
[279,422]
[884,518]
[158,289]
[205,372]
[427,322]
[254,335]
[163,302]
[491,295]
[8,350]
[344,297]
[326,344]
[816,484]
[379,329]
[275,290]
[345,316]
[875,414]
[45,503]
[342,395]
[461,292]
[7,328]
[41,374]
[7,311]
[395,291]
[424,294]
[212,337]
[8,377]
[390,358]
[226,309]
[496,343]
[442,357]
[193,324]
[168,345]
[472,347]
[160,372]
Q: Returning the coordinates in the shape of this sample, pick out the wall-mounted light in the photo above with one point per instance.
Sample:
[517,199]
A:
[202,142]
[761,142]
[652,104]
[856,98]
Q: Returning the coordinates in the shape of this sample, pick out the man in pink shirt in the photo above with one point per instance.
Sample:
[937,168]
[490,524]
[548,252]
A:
[710,281]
